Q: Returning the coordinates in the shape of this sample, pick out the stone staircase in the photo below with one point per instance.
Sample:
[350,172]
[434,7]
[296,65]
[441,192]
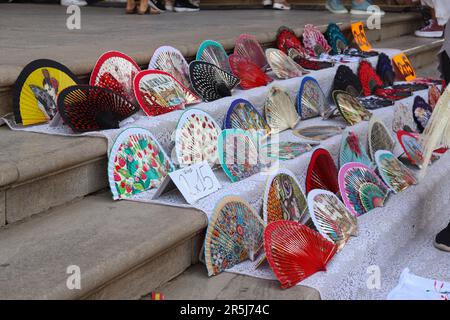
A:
[56,211]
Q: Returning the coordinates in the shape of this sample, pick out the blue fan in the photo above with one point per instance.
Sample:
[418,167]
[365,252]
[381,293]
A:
[336,39]
[421,113]
[385,70]
[311,101]
[243,115]
[213,52]
[352,150]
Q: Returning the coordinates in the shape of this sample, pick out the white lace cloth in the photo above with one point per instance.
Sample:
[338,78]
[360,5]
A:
[392,237]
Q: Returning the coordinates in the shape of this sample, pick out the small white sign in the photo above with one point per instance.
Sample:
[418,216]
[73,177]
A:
[194,182]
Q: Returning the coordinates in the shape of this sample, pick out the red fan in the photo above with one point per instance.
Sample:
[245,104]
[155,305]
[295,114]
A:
[370,81]
[295,252]
[287,39]
[322,172]
[250,74]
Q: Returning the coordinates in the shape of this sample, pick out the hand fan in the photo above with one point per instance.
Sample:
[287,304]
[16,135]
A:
[331,218]
[336,39]
[411,146]
[235,233]
[322,172]
[243,115]
[318,133]
[283,151]
[214,53]
[350,108]
[36,89]
[403,119]
[346,80]
[158,92]
[250,75]
[115,71]
[311,101]
[433,95]
[373,102]
[355,52]
[360,188]
[295,252]
[394,173]
[410,86]
[368,78]
[210,82]
[238,154]
[196,138]
[379,137]
[86,108]
[171,60]
[284,198]
[306,63]
[352,150]
[385,70]
[286,39]
[247,46]
[136,163]
[279,110]
[314,41]
[283,66]
[421,113]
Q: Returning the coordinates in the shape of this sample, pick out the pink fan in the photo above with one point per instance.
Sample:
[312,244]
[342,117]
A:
[247,46]
[250,74]
[314,41]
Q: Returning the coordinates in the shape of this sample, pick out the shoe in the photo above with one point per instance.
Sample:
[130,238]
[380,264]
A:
[80,3]
[157,5]
[184,6]
[281,6]
[267,4]
[442,241]
[335,6]
[362,9]
[169,5]
[432,30]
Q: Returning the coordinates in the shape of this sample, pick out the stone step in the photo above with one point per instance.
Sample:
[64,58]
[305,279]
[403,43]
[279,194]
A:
[123,249]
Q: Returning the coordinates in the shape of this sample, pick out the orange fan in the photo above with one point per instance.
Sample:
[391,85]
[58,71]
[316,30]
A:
[295,252]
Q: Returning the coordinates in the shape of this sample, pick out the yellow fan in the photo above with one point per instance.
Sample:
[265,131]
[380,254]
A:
[36,90]
[280,110]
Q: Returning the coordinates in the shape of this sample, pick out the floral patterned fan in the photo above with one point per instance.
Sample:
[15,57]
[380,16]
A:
[336,39]
[315,134]
[412,147]
[279,110]
[136,163]
[283,66]
[213,52]
[311,101]
[295,252]
[115,71]
[286,150]
[403,119]
[284,198]
[379,137]
[234,234]
[349,107]
[361,189]
[394,173]
[314,41]
[352,150]
[242,115]
[158,92]
[369,79]
[250,75]
[421,113]
[247,46]
[196,138]
[433,95]
[322,172]
[331,218]
[286,39]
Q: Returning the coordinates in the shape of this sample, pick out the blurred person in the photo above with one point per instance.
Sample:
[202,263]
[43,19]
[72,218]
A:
[277,4]
[434,28]
[142,7]
[359,7]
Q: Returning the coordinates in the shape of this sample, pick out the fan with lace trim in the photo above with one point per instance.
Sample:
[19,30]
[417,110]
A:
[249,74]
[346,80]
[314,41]
[307,63]
[247,46]
[286,39]
[336,39]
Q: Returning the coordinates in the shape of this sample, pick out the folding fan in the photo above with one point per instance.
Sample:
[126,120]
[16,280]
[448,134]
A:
[115,71]
[361,189]
[247,46]
[88,108]
[346,80]
[238,154]
[352,151]
[250,75]
[36,90]
[171,60]
[385,70]
[196,138]
[243,115]
[283,150]
[394,173]
[286,39]
[318,133]
[421,113]
[331,218]
[410,86]
[336,39]
[322,172]
[210,82]
[283,66]
[314,41]
[403,119]
[136,163]
[350,108]
[214,53]
[379,137]
[295,252]
[311,101]
[284,199]
[158,92]
[433,95]
[373,102]
[234,233]
[306,63]
[412,147]
[368,78]
[279,110]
